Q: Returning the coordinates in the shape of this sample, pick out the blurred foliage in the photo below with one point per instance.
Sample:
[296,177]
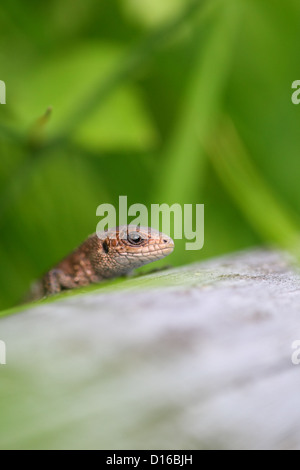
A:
[138,91]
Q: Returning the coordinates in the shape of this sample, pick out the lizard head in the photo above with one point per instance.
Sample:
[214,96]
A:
[128,247]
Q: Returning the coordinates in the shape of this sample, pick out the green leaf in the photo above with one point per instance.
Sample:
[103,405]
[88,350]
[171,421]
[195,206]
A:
[64,80]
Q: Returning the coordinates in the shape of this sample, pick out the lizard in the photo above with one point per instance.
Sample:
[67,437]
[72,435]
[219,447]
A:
[104,255]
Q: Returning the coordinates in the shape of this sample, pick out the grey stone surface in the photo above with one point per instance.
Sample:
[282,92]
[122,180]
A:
[193,357]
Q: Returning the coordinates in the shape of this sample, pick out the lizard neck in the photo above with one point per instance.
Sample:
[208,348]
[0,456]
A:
[82,263]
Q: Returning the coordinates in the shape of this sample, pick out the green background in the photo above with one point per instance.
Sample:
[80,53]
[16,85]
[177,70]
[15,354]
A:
[175,101]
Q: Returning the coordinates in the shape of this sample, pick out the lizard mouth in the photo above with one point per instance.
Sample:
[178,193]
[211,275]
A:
[167,249]
[162,251]
[154,254]
[168,245]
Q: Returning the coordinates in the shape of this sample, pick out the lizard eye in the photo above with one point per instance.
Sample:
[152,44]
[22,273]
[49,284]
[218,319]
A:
[134,238]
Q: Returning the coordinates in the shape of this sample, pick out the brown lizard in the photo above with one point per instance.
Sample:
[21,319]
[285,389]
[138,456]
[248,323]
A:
[104,255]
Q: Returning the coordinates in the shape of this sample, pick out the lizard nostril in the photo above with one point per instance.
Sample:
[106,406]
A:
[165,240]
